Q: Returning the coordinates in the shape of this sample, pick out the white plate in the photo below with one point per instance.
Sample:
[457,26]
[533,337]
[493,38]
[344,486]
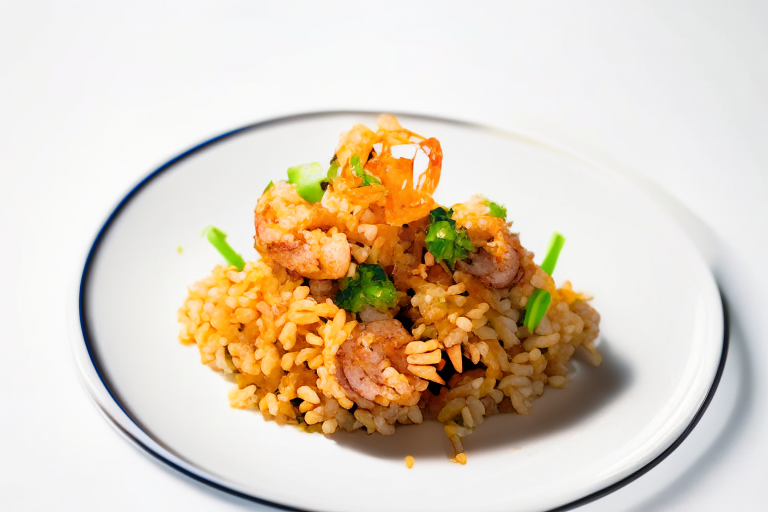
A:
[662,332]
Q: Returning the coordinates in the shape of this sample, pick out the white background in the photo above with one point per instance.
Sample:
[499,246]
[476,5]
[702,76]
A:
[94,96]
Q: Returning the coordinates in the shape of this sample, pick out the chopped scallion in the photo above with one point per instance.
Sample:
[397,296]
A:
[539,300]
[536,308]
[333,170]
[550,260]
[497,210]
[367,178]
[218,239]
[269,185]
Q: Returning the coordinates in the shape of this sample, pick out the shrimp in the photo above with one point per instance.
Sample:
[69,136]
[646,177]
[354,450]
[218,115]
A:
[295,234]
[373,365]
[498,262]
[322,289]
[318,256]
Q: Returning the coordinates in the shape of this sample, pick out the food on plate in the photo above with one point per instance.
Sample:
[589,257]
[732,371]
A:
[372,305]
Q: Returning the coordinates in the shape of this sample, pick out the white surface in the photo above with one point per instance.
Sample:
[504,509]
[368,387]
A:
[94,96]
[611,422]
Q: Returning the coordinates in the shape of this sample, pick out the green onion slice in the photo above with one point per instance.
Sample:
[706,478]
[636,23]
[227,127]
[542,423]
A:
[367,178]
[536,308]
[309,179]
[333,170]
[269,185]
[539,300]
[218,239]
[550,260]
[497,210]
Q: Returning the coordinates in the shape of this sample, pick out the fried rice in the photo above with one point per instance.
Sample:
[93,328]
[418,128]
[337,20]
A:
[450,345]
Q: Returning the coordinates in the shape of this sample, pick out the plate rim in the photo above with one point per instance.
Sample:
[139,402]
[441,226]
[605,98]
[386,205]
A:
[98,387]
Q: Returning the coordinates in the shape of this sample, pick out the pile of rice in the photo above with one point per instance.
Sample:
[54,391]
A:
[279,333]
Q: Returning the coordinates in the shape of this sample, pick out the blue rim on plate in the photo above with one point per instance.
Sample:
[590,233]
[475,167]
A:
[190,471]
